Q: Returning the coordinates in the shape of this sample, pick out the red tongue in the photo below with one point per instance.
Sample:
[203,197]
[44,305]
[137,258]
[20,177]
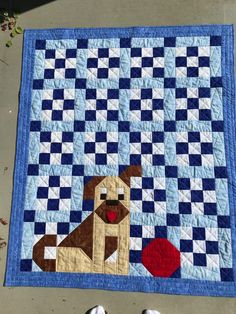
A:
[111,216]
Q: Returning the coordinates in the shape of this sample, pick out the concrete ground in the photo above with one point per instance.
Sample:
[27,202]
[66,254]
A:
[91,13]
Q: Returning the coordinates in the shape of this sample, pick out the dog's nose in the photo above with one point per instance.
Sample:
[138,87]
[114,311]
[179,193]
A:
[112,202]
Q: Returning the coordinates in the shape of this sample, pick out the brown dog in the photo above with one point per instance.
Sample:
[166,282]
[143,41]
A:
[100,244]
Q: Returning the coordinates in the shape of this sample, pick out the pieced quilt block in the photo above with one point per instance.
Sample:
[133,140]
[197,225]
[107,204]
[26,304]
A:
[125,161]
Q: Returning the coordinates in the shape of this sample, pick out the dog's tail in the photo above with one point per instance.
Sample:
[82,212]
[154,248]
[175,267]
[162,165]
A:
[46,264]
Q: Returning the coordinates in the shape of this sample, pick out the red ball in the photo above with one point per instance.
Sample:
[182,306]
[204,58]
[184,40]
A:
[161,258]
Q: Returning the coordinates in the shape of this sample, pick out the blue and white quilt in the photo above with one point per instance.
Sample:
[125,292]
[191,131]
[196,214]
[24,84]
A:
[125,163]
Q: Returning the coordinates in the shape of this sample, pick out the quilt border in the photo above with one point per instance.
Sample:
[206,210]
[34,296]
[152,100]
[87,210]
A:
[13,276]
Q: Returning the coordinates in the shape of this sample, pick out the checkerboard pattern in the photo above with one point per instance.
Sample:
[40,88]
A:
[148,195]
[194,149]
[199,247]
[58,105]
[147,62]
[197,196]
[100,105]
[193,61]
[193,104]
[101,148]
[54,193]
[56,148]
[147,148]
[103,63]
[147,104]
[60,64]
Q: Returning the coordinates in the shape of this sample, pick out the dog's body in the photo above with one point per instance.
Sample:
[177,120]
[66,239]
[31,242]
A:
[100,244]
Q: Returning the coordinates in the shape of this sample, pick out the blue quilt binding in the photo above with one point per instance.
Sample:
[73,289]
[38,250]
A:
[13,276]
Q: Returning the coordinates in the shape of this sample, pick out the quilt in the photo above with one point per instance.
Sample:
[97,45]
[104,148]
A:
[125,162]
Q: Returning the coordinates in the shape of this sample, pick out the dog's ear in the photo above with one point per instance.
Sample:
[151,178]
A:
[131,171]
[89,187]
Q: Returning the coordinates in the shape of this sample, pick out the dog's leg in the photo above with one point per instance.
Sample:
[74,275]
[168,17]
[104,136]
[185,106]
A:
[98,244]
[123,247]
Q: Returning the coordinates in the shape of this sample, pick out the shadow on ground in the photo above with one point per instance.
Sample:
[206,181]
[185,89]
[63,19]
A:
[23,5]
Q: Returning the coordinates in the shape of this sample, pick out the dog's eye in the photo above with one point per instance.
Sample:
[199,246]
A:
[103,196]
[121,194]
[103,193]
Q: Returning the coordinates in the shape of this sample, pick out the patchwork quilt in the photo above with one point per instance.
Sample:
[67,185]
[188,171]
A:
[125,164]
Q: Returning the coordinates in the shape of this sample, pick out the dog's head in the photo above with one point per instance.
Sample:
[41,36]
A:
[111,194]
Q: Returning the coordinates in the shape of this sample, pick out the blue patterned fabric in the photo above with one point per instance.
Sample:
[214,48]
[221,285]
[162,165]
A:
[94,101]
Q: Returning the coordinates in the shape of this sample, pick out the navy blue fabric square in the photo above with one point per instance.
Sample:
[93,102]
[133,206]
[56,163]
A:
[80,83]
[136,52]
[33,170]
[215,40]
[44,158]
[26,265]
[102,73]
[199,233]
[171,171]
[148,206]
[60,63]
[158,160]
[135,256]
[56,148]
[147,62]
[50,54]
[184,184]
[205,115]
[199,259]
[195,160]
[39,228]
[103,52]
[88,205]
[161,232]
[181,93]
[204,61]
[186,245]
[29,215]
[227,274]
[101,137]
[63,227]
[136,231]
[223,221]
[181,62]
[147,183]
[40,44]
[169,126]
[114,62]
[159,195]
[169,82]
[101,159]
[79,126]
[210,209]
[192,71]
[212,247]
[78,170]
[67,136]
[54,181]
[35,126]
[71,53]
[185,208]
[92,62]
[158,52]
[135,159]
[192,51]
[57,115]
[75,216]
[112,148]
[123,126]
[196,196]
[136,72]
[158,137]
[220,172]
[66,159]
[82,43]
[169,41]
[58,94]
[42,192]
[48,73]
[173,220]
[53,204]
[181,114]
[182,148]
[208,184]
[70,73]
[124,83]
[217,126]
[194,136]
[38,84]
[158,72]
[146,148]
[135,137]
[216,82]
[65,192]
[136,194]
[125,43]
